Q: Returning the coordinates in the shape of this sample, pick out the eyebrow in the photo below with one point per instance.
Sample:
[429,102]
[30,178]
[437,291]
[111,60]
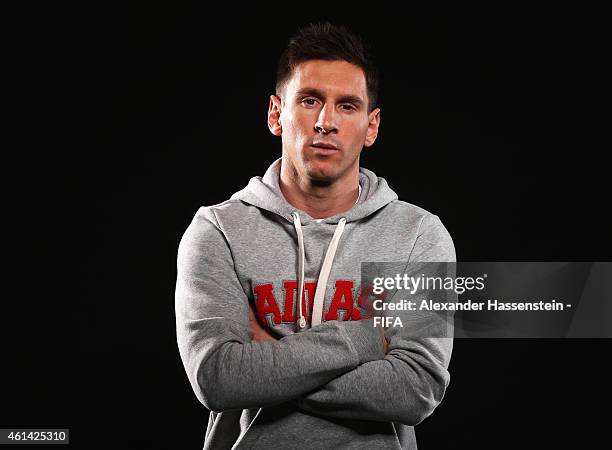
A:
[342,99]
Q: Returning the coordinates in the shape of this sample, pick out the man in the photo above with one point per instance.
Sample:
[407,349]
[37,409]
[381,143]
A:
[272,326]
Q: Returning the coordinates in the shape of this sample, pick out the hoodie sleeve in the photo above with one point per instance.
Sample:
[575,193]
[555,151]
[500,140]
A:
[407,385]
[226,370]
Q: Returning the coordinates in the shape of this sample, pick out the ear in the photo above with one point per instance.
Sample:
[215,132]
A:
[274,111]
[374,122]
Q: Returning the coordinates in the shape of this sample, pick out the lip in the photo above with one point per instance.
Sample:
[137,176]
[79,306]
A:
[326,145]
[324,148]
[323,151]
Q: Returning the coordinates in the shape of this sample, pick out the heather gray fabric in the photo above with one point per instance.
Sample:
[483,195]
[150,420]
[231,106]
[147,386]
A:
[330,386]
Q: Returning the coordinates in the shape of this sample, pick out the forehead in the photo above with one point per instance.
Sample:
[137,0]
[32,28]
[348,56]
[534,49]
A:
[334,78]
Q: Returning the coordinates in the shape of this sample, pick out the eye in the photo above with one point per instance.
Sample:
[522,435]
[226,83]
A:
[309,101]
[348,107]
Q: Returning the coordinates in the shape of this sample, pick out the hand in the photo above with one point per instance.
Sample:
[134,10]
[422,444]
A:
[385,340]
[259,333]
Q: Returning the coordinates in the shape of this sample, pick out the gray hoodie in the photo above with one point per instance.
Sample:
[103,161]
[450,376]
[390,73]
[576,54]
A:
[325,382]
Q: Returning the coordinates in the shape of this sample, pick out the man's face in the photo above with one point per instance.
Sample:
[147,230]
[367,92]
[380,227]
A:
[324,121]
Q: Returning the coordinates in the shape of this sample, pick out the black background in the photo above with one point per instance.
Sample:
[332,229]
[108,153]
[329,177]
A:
[129,117]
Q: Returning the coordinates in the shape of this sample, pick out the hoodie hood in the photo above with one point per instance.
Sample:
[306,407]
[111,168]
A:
[265,193]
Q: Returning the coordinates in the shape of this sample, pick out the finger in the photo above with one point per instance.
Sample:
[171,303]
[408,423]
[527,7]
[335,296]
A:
[251,314]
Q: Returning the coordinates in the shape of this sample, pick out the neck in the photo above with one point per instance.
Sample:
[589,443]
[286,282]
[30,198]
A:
[319,200]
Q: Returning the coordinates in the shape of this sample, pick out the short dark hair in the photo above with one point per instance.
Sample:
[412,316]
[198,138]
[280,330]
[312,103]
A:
[332,43]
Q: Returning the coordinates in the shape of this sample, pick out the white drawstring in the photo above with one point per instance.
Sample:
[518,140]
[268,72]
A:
[317,309]
[302,257]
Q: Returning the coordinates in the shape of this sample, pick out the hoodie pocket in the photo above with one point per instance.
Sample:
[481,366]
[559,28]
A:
[285,426]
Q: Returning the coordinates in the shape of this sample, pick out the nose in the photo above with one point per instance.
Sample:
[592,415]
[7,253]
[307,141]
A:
[326,122]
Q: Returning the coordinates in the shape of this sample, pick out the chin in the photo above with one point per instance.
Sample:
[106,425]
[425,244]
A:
[321,171]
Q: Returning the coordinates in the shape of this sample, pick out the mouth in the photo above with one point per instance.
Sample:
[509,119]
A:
[324,148]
